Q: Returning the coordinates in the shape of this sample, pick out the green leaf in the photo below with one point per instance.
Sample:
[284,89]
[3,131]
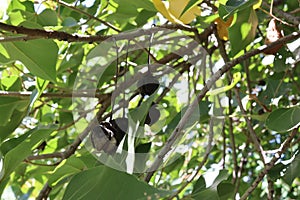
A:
[39,56]
[15,120]
[69,22]
[274,172]
[11,83]
[146,4]
[4,56]
[292,171]
[143,17]
[190,4]
[212,191]
[72,165]
[202,113]
[175,163]
[233,6]
[47,18]
[73,58]
[7,107]
[41,85]
[199,185]
[226,191]
[243,31]
[139,113]
[284,119]
[13,142]
[207,195]
[15,156]
[106,183]
[143,147]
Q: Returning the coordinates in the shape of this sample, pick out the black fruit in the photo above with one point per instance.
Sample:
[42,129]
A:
[153,115]
[148,84]
[120,126]
[108,135]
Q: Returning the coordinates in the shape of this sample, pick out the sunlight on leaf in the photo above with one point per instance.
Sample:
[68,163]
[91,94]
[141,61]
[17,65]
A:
[173,10]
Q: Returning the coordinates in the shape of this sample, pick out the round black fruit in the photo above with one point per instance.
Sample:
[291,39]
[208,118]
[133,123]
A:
[102,138]
[120,127]
[108,135]
[152,115]
[148,84]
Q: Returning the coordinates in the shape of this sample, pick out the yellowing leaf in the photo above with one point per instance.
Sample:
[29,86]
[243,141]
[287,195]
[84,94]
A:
[235,79]
[172,10]
[257,5]
[222,27]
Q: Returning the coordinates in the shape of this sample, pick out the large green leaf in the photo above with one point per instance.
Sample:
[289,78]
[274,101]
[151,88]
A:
[199,115]
[15,156]
[47,18]
[243,31]
[7,107]
[39,56]
[66,168]
[216,190]
[226,191]
[199,185]
[292,171]
[106,183]
[16,118]
[284,119]
[233,6]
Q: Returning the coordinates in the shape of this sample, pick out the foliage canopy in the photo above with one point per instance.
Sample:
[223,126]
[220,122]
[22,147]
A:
[217,118]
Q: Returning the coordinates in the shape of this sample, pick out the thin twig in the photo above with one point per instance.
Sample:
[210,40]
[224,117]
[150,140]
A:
[281,14]
[46,156]
[89,15]
[73,147]
[201,164]
[44,192]
[269,166]
[253,135]
[63,36]
[177,133]
[54,95]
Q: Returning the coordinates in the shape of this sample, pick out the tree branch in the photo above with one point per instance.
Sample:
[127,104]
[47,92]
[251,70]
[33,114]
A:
[177,133]
[201,164]
[55,95]
[72,148]
[282,14]
[63,36]
[269,166]
[87,14]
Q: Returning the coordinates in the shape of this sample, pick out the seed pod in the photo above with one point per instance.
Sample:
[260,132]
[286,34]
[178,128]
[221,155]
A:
[153,115]
[102,138]
[148,84]
[273,34]
[108,135]
[120,127]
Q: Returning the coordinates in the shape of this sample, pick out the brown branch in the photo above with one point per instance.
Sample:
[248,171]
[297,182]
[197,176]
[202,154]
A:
[89,15]
[39,33]
[55,95]
[72,148]
[282,14]
[44,192]
[253,135]
[221,47]
[202,163]
[46,156]
[269,166]
[177,133]
[63,36]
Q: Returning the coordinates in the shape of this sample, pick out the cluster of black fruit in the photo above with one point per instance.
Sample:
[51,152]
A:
[108,135]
